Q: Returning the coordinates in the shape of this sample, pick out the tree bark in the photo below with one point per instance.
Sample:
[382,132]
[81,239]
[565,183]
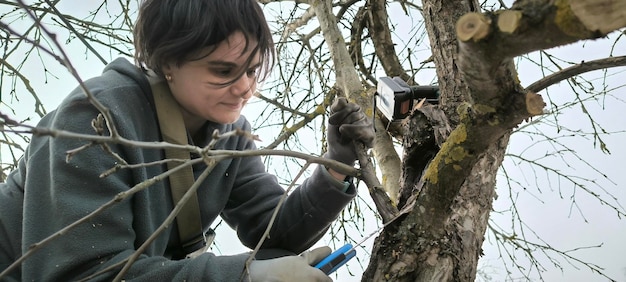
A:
[441,238]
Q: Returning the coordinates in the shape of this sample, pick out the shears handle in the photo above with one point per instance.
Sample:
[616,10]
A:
[335,260]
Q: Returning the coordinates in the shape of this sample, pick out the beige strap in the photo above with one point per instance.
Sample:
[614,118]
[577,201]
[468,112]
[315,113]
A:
[173,131]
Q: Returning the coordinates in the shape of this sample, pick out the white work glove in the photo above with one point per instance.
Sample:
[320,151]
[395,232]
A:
[290,268]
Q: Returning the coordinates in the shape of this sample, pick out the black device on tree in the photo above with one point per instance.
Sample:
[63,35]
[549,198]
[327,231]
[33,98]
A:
[395,98]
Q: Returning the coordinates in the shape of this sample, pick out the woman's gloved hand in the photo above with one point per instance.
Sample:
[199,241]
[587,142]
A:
[347,123]
[291,268]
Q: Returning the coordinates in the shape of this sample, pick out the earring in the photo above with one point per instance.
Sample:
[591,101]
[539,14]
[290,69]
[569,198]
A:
[168,77]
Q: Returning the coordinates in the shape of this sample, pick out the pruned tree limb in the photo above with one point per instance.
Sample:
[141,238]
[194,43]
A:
[603,16]
[488,41]
[537,25]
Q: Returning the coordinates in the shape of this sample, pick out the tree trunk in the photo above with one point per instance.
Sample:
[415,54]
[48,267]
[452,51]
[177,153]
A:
[449,191]
[448,250]
[408,250]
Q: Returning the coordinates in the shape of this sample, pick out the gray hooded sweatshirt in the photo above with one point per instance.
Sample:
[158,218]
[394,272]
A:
[46,193]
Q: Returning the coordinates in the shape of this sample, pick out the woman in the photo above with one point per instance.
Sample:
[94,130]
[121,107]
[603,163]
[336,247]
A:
[210,52]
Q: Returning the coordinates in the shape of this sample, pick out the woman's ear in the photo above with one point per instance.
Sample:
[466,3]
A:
[166,70]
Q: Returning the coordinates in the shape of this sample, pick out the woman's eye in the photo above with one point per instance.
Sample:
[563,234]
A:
[252,72]
[223,72]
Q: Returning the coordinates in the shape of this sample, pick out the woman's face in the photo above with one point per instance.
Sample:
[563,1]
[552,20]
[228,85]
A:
[196,84]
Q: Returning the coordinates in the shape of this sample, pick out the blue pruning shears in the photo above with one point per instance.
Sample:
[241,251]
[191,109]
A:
[339,257]
[335,260]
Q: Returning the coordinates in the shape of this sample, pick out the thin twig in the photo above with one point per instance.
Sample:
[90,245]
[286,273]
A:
[118,198]
[170,218]
[65,61]
[271,222]
[71,28]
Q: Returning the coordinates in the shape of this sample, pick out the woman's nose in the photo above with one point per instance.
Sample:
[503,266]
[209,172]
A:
[243,86]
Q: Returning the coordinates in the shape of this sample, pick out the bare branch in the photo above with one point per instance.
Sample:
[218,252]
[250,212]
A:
[69,26]
[65,61]
[170,218]
[349,83]
[581,68]
[273,218]
[120,197]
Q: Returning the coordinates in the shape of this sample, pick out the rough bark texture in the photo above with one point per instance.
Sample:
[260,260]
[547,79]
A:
[441,238]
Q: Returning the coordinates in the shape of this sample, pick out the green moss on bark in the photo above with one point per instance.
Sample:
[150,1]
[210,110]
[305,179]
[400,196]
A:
[568,22]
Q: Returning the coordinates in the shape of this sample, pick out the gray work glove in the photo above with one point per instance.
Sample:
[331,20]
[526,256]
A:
[290,268]
[347,123]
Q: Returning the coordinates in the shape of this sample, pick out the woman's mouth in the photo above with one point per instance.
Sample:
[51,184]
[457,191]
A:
[233,106]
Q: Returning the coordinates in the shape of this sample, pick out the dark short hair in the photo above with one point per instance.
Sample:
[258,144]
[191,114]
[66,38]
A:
[173,31]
